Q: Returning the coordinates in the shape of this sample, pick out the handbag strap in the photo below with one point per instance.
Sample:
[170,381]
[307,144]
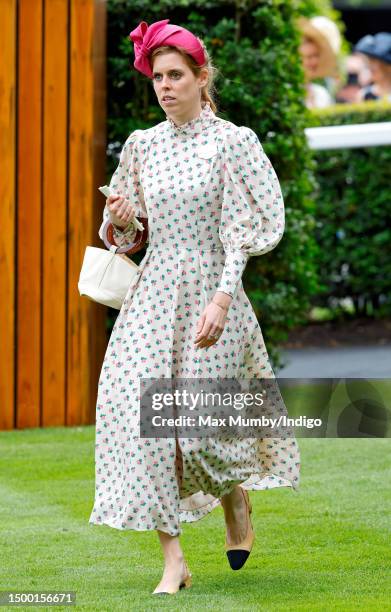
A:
[132,247]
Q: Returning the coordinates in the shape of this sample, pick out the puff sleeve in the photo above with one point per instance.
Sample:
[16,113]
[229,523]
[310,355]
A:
[252,215]
[126,182]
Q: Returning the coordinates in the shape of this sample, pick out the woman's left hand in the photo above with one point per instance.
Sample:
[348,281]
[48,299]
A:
[210,326]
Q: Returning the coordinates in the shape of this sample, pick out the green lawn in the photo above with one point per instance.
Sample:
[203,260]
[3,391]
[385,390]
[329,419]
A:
[324,548]
[357,406]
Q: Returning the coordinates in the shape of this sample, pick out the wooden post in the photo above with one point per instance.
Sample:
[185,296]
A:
[8,210]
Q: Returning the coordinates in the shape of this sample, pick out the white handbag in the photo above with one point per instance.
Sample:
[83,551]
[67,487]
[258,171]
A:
[106,275]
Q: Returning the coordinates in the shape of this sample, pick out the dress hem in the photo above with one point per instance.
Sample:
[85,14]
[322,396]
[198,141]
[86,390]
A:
[196,514]
[109,524]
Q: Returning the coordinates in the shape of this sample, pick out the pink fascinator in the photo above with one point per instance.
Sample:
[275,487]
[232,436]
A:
[146,39]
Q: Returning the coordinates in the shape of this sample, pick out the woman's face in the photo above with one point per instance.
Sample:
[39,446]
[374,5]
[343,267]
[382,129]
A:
[177,89]
[310,57]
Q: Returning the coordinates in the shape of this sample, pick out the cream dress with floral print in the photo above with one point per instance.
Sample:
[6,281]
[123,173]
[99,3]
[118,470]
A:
[212,200]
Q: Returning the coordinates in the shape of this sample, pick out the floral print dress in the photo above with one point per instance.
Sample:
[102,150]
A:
[212,200]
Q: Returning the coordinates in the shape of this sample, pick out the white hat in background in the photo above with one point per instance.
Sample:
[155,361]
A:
[325,34]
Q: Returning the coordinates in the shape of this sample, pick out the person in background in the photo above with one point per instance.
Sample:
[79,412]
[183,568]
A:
[377,51]
[357,76]
[319,49]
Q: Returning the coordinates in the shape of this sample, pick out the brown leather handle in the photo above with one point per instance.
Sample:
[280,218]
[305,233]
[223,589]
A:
[139,241]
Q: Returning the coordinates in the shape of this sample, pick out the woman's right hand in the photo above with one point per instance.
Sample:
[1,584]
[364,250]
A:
[121,212]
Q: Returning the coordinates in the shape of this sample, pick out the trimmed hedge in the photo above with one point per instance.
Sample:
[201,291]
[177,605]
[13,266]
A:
[353,211]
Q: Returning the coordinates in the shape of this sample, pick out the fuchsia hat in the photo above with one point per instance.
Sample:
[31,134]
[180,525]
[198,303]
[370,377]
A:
[146,39]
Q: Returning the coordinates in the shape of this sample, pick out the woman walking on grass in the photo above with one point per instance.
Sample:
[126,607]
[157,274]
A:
[212,200]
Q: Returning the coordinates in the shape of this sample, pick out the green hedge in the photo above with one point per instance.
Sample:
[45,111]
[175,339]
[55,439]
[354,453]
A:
[255,47]
[353,210]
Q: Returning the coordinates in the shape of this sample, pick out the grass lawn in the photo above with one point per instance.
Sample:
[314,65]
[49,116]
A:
[324,548]
[346,407]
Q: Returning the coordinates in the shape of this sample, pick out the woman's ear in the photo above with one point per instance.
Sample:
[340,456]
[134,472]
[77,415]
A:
[204,74]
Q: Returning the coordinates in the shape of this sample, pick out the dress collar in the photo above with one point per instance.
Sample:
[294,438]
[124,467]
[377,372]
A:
[194,126]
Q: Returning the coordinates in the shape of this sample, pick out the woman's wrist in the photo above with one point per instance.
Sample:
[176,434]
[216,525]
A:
[222,299]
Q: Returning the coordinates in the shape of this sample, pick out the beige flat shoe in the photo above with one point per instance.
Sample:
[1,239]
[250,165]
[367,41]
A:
[184,584]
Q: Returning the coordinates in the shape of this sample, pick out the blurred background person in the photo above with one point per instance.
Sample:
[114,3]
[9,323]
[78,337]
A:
[319,50]
[377,51]
[357,76]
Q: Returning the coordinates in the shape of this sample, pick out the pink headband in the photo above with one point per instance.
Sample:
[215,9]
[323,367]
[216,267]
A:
[146,39]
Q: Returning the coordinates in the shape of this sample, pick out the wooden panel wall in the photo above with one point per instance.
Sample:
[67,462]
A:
[52,116]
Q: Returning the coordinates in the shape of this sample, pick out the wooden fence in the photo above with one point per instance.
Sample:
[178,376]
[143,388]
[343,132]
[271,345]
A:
[52,151]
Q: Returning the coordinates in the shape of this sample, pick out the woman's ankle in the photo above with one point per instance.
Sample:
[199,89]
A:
[173,560]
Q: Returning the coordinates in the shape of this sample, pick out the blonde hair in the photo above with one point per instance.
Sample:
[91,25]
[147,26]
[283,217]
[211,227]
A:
[208,91]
